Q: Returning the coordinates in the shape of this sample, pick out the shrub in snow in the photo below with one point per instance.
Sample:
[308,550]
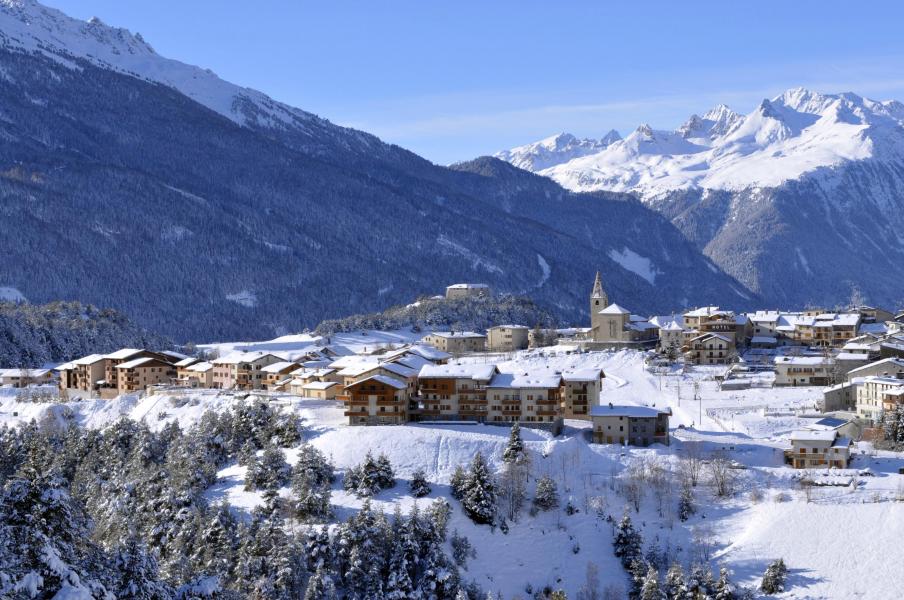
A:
[774,577]
[547,495]
[418,485]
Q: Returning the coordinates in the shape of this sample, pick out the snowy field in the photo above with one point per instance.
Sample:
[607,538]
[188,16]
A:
[843,541]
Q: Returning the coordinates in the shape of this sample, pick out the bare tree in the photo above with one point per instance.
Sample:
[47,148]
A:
[722,474]
[591,588]
[691,465]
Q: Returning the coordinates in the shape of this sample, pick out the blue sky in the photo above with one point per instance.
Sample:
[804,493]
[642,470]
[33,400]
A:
[454,80]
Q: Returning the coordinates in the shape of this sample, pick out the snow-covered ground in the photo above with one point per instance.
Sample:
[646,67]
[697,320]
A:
[841,542]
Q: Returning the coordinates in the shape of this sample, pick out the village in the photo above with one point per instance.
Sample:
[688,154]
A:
[855,358]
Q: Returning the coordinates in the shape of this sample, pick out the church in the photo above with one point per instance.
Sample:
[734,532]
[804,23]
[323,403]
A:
[612,325]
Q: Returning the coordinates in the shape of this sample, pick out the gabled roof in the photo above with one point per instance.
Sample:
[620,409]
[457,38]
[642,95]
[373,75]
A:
[614,309]
[279,366]
[138,362]
[201,367]
[813,435]
[890,362]
[385,380]
[88,360]
[523,380]
[588,374]
[187,362]
[457,334]
[627,410]
[124,353]
[318,385]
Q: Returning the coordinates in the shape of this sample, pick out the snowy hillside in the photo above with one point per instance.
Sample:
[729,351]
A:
[837,541]
[781,139]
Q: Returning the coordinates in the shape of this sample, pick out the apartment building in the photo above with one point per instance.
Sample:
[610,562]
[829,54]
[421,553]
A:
[507,338]
[137,374]
[580,392]
[199,374]
[877,393]
[629,424]
[453,392]
[377,400]
[241,370]
[89,372]
[278,374]
[114,359]
[533,398]
[457,342]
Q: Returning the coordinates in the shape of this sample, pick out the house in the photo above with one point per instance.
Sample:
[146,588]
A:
[580,392]
[818,447]
[875,394]
[320,390]
[377,400]
[137,374]
[453,392]
[533,398]
[507,338]
[671,335]
[276,373]
[629,424]
[458,291]
[241,370]
[20,378]
[833,330]
[710,349]
[461,342]
[804,370]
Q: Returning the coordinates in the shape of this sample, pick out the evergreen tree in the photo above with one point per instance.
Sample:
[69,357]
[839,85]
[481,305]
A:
[700,581]
[724,589]
[547,495]
[686,506]
[627,543]
[650,588]
[137,575]
[419,487]
[479,493]
[399,585]
[457,482]
[312,480]
[514,451]
[674,586]
[774,577]
[269,473]
[320,586]
[385,473]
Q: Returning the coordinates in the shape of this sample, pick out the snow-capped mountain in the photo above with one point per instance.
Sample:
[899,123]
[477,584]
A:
[802,199]
[205,210]
[780,140]
[555,150]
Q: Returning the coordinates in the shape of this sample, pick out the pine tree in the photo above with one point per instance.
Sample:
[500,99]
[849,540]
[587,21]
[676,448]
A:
[686,506]
[650,588]
[269,473]
[628,543]
[514,451]
[638,572]
[700,581]
[419,487]
[547,495]
[457,482]
[399,585]
[312,480]
[385,473]
[674,587]
[320,586]
[774,577]
[723,589]
[137,575]
[479,493]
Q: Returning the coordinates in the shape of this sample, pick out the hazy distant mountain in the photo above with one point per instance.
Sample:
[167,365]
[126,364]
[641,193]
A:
[802,199]
[206,211]
[555,150]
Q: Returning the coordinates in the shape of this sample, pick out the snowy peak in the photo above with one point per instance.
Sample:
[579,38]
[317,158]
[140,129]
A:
[795,133]
[555,150]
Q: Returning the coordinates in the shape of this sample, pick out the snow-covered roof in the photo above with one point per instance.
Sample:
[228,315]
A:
[813,435]
[457,334]
[124,353]
[131,364]
[764,316]
[398,369]
[626,410]
[234,358]
[23,372]
[586,374]
[468,371]
[187,362]
[842,442]
[523,380]
[429,352]
[385,380]
[707,311]
[468,286]
[413,361]
[802,360]
[68,366]
[892,362]
[614,309]
[712,335]
[173,355]
[318,385]
[88,360]
[762,339]
[279,366]
[201,367]
[858,356]
[521,327]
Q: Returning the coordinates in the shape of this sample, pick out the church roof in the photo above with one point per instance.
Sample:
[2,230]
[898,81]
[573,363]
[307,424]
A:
[597,287]
[614,309]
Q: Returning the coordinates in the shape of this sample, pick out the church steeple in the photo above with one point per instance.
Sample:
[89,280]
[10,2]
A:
[598,297]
